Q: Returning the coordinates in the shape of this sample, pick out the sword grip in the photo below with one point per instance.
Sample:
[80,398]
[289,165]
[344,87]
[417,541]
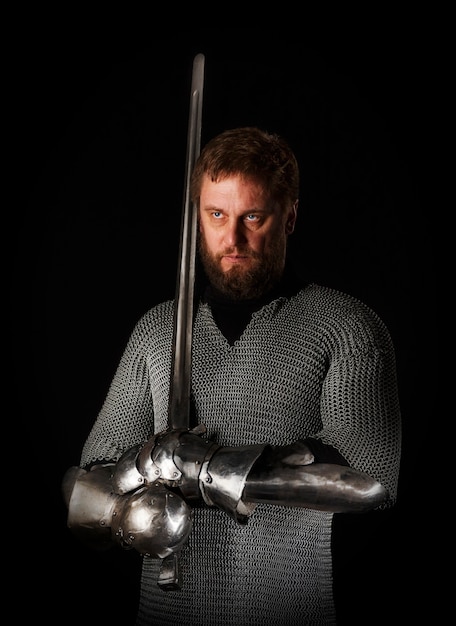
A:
[169,578]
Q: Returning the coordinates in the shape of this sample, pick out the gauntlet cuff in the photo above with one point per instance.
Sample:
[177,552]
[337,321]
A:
[223,477]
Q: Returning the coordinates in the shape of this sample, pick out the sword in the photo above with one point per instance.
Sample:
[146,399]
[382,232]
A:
[179,395]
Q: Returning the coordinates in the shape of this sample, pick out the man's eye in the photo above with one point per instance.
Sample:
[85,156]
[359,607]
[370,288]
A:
[216,214]
[251,217]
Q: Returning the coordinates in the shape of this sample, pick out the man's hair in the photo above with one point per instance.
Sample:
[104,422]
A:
[253,154]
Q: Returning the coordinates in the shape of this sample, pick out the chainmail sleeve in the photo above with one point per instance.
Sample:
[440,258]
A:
[138,392]
[359,400]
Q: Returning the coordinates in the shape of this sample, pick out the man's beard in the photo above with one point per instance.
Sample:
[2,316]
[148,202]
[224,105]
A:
[241,284]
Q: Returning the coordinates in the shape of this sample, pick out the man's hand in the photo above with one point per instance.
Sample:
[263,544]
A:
[176,457]
[151,518]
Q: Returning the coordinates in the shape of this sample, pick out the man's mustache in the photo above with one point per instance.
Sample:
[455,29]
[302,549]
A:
[240,251]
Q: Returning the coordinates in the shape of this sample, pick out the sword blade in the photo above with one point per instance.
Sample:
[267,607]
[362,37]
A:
[179,399]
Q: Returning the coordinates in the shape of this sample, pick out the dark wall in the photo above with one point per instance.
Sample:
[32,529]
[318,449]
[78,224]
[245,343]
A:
[102,133]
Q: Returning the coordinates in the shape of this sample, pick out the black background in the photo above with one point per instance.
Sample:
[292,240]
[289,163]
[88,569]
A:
[101,131]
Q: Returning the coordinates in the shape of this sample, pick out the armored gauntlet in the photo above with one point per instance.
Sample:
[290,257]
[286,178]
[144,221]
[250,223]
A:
[199,468]
[151,518]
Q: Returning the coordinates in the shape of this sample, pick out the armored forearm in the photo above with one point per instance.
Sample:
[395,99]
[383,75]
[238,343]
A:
[322,486]
[142,500]
[235,479]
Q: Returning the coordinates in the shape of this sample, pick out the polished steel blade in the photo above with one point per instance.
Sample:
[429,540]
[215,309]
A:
[179,400]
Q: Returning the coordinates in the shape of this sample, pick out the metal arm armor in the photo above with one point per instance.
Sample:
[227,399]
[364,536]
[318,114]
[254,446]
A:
[185,459]
[151,519]
[322,486]
[235,479]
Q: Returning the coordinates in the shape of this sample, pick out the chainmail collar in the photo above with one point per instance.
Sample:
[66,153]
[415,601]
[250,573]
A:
[232,316]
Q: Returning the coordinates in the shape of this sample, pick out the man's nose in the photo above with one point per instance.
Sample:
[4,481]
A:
[234,233]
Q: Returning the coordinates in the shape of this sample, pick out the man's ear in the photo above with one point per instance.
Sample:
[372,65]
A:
[291,218]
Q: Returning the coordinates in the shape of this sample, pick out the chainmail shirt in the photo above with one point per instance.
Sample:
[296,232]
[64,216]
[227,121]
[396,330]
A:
[319,364]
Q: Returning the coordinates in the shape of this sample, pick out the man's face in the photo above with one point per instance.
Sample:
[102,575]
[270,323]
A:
[243,237]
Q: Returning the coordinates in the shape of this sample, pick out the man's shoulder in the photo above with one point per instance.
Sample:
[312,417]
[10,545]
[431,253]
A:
[342,314]
[160,314]
[329,297]
[329,303]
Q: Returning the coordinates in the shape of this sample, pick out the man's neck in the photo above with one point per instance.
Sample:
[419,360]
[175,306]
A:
[232,316]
